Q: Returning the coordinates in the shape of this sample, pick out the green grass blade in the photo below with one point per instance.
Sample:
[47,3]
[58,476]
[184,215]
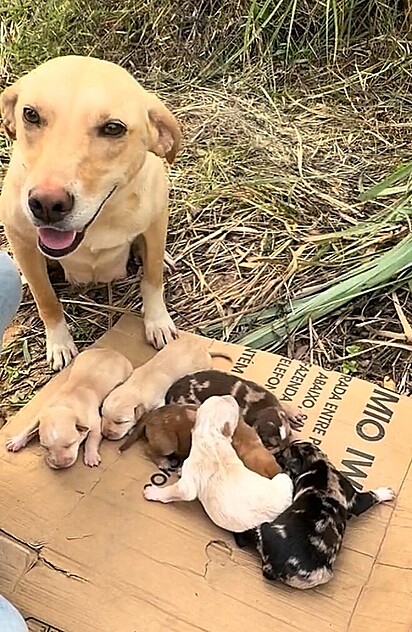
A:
[377,273]
[381,188]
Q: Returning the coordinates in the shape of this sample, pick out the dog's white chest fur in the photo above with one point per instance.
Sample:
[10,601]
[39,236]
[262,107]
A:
[101,265]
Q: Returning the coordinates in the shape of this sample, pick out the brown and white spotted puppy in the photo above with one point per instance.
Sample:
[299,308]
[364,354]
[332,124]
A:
[272,419]
[300,546]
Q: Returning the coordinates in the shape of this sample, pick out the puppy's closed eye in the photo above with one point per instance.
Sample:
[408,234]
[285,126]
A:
[82,428]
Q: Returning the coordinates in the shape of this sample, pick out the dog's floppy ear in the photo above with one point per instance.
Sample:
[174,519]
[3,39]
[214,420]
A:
[227,430]
[164,130]
[139,412]
[290,461]
[294,466]
[8,100]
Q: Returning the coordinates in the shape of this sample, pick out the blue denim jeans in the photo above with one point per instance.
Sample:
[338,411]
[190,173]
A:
[10,291]
[10,297]
[10,619]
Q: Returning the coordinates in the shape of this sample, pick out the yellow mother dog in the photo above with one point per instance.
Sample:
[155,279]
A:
[86,181]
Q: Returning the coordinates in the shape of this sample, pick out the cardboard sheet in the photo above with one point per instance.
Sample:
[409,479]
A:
[82,551]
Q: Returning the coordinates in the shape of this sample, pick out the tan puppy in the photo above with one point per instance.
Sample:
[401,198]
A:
[147,386]
[234,497]
[73,414]
[86,179]
[168,431]
[251,451]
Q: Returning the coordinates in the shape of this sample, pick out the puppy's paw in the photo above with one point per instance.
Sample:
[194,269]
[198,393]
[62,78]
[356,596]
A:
[160,330]
[60,346]
[383,494]
[151,492]
[163,464]
[92,458]
[293,414]
[14,444]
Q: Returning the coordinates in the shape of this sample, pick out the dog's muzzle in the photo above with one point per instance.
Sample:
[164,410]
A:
[55,242]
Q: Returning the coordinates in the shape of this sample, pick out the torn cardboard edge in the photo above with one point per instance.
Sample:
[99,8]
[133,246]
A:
[94,523]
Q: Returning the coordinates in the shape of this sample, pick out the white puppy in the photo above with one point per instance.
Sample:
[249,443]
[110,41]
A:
[233,496]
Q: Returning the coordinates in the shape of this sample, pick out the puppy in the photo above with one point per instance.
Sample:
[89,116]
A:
[259,407]
[252,452]
[232,495]
[147,386]
[86,181]
[168,433]
[72,416]
[300,546]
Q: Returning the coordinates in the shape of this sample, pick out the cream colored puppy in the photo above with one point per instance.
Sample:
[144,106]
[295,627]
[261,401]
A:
[73,414]
[86,181]
[146,388]
[234,497]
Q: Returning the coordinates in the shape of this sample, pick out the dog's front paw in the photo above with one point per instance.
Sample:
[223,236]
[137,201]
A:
[151,492]
[60,346]
[92,458]
[160,330]
[384,494]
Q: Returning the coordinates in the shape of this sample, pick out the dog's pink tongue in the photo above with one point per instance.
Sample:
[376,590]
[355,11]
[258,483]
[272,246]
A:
[56,239]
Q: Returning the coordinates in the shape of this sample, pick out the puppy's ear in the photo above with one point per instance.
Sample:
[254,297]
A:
[139,412]
[228,430]
[289,460]
[294,466]
[164,130]
[8,100]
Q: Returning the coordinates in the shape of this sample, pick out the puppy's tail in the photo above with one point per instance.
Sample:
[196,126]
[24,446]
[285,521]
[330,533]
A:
[136,434]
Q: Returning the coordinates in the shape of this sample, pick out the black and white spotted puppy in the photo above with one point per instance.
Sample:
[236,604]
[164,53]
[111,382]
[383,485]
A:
[300,546]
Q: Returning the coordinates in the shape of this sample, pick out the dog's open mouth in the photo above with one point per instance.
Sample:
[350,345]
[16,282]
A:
[59,243]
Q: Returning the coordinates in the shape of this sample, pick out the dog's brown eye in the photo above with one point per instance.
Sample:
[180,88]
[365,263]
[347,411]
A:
[31,116]
[113,128]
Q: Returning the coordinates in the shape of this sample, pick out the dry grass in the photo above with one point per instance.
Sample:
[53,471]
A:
[271,161]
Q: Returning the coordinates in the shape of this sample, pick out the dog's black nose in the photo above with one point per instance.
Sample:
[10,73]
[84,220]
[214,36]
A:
[50,204]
